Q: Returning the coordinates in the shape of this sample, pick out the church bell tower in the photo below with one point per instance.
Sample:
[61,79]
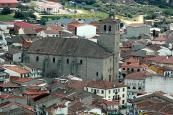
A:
[109,38]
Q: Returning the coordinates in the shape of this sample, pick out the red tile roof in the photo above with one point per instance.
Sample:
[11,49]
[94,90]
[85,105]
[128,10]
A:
[8,104]
[161,59]
[4,96]
[36,92]
[161,38]
[8,1]
[9,85]
[17,69]
[111,102]
[22,80]
[133,63]
[23,24]
[104,84]
[137,75]
[76,84]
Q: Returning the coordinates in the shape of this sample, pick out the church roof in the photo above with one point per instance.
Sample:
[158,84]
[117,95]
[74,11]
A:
[68,47]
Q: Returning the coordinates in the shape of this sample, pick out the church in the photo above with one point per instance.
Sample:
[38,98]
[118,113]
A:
[79,57]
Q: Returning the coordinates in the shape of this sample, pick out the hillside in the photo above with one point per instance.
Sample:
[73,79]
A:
[161,3]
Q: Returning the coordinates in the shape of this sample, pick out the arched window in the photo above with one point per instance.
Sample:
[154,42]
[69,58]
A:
[110,28]
[105,27]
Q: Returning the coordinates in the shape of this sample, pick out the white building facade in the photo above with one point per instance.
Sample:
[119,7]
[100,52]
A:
[159,83]
[114,93]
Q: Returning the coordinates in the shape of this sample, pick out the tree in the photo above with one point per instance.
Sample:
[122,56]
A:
[6,10]
[43,21]
[19,14]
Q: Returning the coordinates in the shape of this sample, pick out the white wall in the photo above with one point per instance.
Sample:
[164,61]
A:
[109,93]
[5,27]
[12,73]
[134,83]
[43,34]
[157,83]
[17,57]
[87,31]
[20,31]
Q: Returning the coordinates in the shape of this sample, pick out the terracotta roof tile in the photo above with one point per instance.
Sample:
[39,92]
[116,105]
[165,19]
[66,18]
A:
[23,80]
[137,75]
[8,1]
[104,84]
[17,69]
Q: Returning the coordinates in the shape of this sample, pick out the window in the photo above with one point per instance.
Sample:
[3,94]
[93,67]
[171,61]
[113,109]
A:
[134,87]
[124,69]
[81,61]
[67,61]
[53,60]
[105,27]
[122,101]
[123,95]
[128,87]
[109,91]
[123,89]
[139,88]
[102,91]
[97,91]
[97,73]
[92,90]
[110,28]
[138,70]
[37,58]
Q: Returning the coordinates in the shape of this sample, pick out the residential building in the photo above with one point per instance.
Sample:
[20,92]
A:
[132,65]
[82,30]
[6,26]
[136,30]
[14,54]
[14,70]
[8,87]
[35,72]
[48,7]
[27,31]
[136,83]
[3,43]
[160,40]
[4,77]
[48,33]
[108,90]
[159,83]
[8,3]
[163,61]
[81,57]
[156,103]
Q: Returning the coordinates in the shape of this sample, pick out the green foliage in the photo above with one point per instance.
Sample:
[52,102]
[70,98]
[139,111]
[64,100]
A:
[97,15]
[43,21]
[24,14]
[22,7]
[19,14]
[6,10]
[6,17]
